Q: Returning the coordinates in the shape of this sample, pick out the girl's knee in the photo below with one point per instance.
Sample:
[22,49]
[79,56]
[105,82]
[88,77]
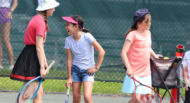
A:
[39,95]
[88,98]
[76,96]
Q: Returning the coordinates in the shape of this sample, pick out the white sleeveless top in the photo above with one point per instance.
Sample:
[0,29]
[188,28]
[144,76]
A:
[5,3]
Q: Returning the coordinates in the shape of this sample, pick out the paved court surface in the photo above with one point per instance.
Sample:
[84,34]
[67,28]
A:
[10,97]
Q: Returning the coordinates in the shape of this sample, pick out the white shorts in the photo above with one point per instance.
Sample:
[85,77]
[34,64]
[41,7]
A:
[129,87]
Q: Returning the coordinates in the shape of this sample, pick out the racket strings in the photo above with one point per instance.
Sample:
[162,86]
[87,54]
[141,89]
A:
[28,92]
[182,73]
[149,98]
[147,95]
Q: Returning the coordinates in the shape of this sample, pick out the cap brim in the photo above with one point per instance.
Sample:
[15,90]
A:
[69,19]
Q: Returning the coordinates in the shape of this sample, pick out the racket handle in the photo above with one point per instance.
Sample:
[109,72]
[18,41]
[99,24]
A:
[52,63]
[68,89]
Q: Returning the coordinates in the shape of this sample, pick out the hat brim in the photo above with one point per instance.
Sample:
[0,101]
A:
[46,7]
[70,19]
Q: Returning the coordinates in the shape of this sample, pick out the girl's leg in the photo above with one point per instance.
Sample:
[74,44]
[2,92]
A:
[6,40]
[133,99]
[76,86]
[38,97]
[88,86]
[23,85]
[1,52]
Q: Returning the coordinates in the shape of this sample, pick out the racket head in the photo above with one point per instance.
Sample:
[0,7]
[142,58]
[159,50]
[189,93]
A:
[182,71]
[146,94]
[29,90]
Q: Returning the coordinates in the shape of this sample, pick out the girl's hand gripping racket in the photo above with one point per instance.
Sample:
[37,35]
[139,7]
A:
[30,89]
[149,95]
[67,97]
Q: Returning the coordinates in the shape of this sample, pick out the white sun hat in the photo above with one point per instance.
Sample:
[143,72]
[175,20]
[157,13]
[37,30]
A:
[46,4]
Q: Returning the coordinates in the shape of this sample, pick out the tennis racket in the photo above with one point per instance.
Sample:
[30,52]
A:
[30,89]
[148,97]
[182,73]
[67,97]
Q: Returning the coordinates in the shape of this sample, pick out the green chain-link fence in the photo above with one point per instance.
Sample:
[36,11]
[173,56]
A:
[108,21]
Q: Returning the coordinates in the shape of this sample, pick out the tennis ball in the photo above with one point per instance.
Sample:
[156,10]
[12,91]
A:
[166,58]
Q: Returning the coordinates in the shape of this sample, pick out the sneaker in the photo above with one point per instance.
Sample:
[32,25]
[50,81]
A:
[11,67]
[1,67]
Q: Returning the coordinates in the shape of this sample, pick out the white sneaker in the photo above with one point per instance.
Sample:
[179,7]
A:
[1,67]
[11,67]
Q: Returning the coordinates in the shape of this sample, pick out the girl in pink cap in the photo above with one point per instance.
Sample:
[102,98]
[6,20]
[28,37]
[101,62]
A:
[136,53]
[81,70]
[32,61]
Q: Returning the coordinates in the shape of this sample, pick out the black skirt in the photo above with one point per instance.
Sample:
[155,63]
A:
[27,66]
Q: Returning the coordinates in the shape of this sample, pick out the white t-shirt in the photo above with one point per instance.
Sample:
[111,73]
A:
[5,3]
[82,50]
[186,62]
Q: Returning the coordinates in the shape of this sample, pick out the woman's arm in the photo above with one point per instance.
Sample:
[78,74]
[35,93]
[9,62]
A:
[41,55]
[152,53]
[124,58]
[69,64]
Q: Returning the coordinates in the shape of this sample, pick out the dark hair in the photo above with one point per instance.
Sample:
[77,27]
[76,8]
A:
[46,19]
[135,26]
[80,22]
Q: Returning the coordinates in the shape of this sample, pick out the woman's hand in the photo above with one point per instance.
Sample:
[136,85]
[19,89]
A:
[9,15]
[69,81]
[92,70]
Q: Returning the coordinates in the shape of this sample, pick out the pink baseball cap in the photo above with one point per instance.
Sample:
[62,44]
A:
[71,20]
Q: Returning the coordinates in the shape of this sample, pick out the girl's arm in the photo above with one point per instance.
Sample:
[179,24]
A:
[69,64]
[41,55]
[124,58]
[15,4]
[152,53]
[9,14]
[101,54]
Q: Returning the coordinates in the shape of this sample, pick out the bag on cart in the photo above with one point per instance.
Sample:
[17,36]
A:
[166,70]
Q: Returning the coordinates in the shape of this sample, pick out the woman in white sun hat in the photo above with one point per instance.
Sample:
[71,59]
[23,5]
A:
[32,60]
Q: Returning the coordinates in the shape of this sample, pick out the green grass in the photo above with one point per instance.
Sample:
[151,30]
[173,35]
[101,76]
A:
[58,85]
[51,85]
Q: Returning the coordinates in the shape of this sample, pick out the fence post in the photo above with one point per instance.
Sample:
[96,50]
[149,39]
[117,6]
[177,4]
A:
[175,91]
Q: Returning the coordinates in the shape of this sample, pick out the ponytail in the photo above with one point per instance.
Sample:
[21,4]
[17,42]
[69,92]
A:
[80,23]
[86,30]
[46,19]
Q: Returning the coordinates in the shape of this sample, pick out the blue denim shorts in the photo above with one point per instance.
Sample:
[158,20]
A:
[81,75]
